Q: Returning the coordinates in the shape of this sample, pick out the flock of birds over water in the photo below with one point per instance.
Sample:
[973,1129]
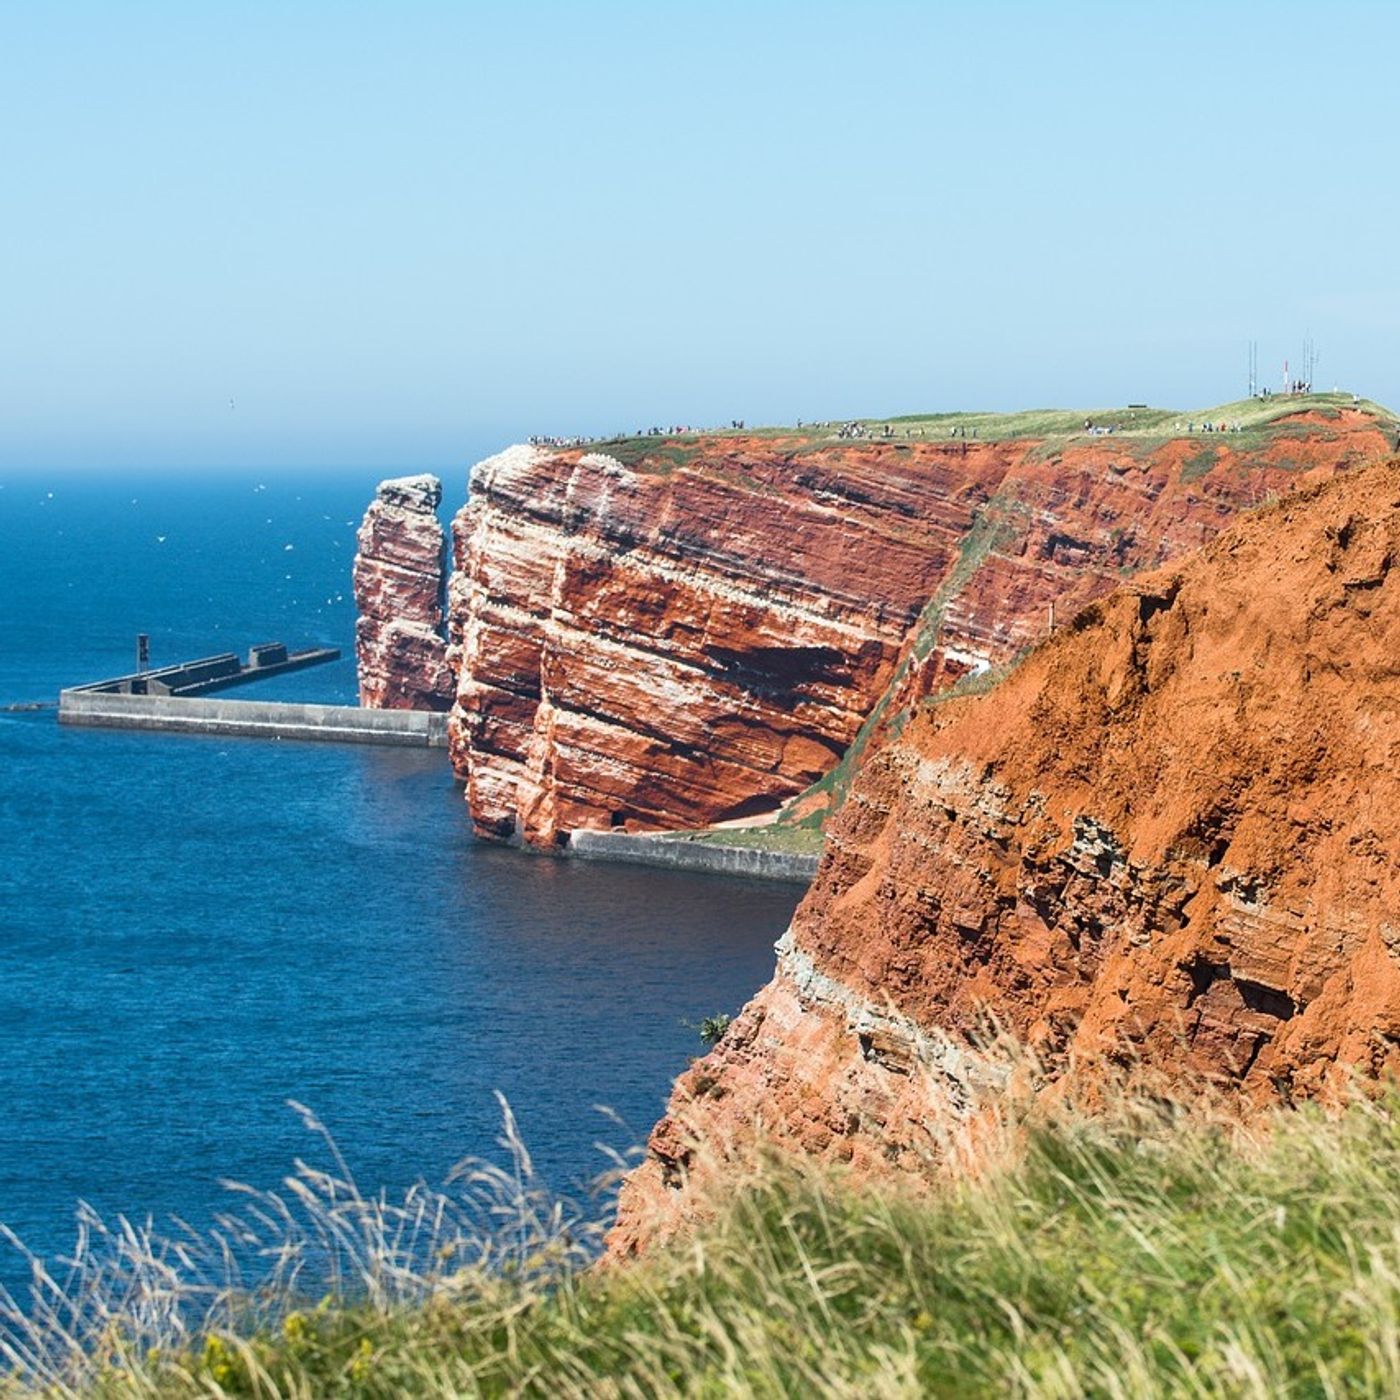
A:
[287,548]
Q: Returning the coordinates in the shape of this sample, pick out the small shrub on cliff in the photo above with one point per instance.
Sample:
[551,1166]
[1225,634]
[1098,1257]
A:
[712,1028]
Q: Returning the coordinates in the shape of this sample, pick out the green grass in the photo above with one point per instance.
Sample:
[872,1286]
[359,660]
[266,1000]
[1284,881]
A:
[1149,1250]
[1200,462]
[1031,423]
[1156,423]
[656,454]
[1138,432]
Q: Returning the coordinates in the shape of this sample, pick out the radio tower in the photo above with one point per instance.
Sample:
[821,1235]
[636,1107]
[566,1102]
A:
[1309,362]
[1253,369]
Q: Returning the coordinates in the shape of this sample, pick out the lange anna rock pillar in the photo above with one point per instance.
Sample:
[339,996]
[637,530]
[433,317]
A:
[400,582]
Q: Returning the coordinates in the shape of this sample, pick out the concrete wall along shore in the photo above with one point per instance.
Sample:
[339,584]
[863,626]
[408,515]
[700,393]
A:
[677,853]
[344,724]
[351,724]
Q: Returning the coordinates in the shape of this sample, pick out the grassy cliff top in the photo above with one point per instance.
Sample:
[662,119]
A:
[1260,416]
[1144,422]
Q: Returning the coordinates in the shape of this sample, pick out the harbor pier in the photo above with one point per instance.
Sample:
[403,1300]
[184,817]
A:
[172,698]
[211,673]
[253,719]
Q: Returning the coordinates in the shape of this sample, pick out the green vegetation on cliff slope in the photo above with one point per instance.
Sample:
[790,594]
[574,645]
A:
[1255,426]
[1143,429]
[1157,424]
[1148,1251]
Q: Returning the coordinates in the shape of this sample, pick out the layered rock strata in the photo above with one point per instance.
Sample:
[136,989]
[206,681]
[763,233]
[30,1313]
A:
[675,647]
[697,633]
[1172,835]
[400,585]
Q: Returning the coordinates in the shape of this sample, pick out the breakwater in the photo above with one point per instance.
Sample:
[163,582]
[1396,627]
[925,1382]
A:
[677,853]
[344,724]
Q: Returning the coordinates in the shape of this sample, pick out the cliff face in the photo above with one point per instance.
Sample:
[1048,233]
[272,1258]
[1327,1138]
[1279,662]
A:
[677,645]
[694,631]
[1173,832]
[399,580]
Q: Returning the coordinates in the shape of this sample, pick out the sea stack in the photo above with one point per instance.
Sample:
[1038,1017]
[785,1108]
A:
[674,631]
[400,582]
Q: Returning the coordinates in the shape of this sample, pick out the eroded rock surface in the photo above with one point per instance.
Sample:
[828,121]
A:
[1172,834]
[698,633]
[400,582]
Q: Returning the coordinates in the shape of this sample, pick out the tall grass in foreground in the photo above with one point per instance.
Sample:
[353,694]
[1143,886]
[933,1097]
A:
[1145,1249]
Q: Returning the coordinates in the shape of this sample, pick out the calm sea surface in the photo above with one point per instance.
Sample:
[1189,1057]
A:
[194,930]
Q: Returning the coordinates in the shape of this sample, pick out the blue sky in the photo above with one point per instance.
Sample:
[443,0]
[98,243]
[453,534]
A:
[401,234]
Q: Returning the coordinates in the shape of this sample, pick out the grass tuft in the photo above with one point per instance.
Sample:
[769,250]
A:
[1148,1248]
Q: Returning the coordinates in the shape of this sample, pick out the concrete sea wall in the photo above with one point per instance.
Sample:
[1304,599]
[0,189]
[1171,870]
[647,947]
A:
[343,724]
[680,854]
[350,724]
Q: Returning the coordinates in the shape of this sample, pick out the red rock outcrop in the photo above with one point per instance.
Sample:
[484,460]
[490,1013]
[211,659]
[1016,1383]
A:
[677,646]
[1172,834]
[400,582]
[698,633]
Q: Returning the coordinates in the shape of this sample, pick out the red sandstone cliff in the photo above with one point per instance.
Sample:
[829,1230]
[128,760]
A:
[1173,832]
[399,584]
[673,646]
[696,633]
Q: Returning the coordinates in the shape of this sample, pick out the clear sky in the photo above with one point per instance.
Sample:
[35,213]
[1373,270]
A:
[404,233]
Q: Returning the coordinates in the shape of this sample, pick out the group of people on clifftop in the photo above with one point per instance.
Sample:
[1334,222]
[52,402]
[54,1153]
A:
[586,440]
[866,432]
[551,440]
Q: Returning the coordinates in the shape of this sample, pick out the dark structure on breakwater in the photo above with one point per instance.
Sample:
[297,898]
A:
[212,673]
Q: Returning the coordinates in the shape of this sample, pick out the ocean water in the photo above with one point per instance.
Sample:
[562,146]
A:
[194,930]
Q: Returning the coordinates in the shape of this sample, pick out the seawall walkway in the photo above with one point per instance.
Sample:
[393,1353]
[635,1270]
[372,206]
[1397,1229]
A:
[259,719]
[680,854]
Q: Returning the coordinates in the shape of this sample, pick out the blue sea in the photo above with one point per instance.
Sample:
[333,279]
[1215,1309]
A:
[194,930]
